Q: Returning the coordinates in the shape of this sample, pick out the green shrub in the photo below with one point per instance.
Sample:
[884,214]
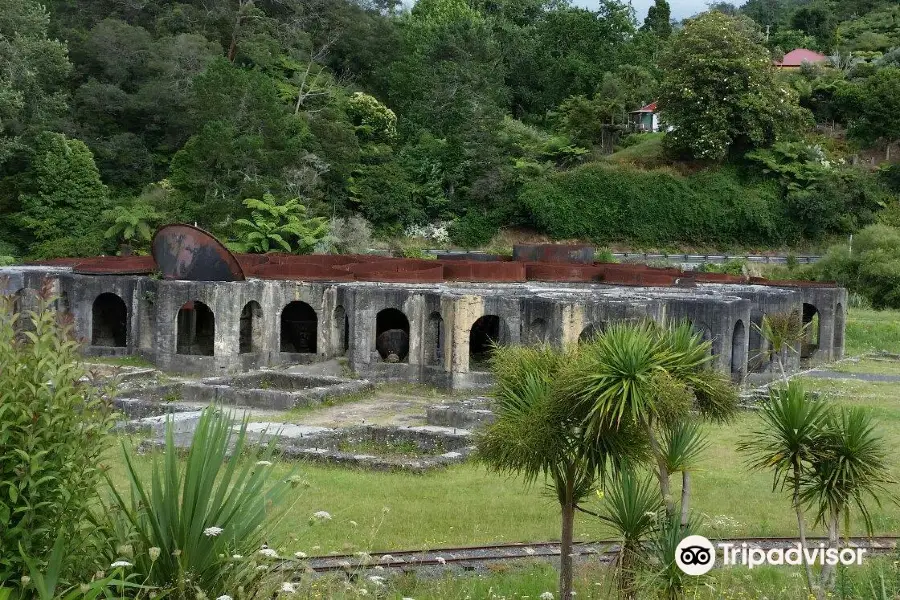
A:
[205,515]
[473,230]
[54,432]
[873,268]
[604,203]
[735,266]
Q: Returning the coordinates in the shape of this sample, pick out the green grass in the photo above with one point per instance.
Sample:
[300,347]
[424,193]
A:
[868,366]
[872,330]
[121,361]
[646,152]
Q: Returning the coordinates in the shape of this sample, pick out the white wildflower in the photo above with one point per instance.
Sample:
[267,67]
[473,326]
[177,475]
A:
[362,592]
[224,597]
[268,552]
[154,553]
[322,515]
[263,463]
[288,588]
[547,596]
[300,555]
[25,580]
[237,556]
[212,531]
[376,579]
[120,563]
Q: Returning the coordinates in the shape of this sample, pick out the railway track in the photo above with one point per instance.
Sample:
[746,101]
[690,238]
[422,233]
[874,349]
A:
[472,558]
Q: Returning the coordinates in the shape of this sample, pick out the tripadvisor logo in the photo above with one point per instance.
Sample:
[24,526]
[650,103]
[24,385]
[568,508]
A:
[696,555]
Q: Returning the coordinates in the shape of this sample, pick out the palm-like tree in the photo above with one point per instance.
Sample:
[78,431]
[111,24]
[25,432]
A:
[646,376]
[632,508]
[851,470]
[784,333]
[789,439]
[535,435]
[683,445]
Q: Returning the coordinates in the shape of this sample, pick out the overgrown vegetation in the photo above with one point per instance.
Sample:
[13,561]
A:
[450,114]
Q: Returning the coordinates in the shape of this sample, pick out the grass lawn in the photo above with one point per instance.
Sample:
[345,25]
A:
[872,330]
[467,505]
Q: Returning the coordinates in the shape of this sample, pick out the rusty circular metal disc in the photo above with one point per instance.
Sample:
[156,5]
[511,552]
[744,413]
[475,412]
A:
[189,253]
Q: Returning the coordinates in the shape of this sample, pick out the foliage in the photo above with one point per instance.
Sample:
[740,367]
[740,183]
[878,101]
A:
[821,194]
[278,226]
[373,119]
[34,68]
[719,91]
[63,198]
[851,469]
[536,433]
[196,526]
[54,434]
[245,147]
[132,223]
[348,235]
[632,508]
[658,19]
[787,442]
[876,102]
[605,204]
[871,270]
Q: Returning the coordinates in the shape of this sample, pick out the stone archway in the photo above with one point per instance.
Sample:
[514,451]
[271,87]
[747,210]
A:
[109,321]
[392,335]
[196,329]
[299,328]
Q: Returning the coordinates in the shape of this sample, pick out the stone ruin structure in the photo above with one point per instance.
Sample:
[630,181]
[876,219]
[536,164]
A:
[194,308]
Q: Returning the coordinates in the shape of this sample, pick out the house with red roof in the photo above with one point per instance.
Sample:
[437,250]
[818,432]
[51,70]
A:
[645,118]
[795,59]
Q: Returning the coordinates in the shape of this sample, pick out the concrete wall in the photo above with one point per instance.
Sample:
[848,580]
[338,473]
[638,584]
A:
[440,318]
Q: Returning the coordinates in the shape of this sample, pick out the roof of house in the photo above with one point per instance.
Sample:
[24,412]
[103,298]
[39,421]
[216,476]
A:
[650,108]
[796,58]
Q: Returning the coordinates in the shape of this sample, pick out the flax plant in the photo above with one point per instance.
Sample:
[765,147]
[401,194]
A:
[198,524]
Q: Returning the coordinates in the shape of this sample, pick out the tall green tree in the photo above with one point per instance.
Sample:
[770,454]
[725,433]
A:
[719,90]
[63,199]
[247,142]
[658,19]
[33,71]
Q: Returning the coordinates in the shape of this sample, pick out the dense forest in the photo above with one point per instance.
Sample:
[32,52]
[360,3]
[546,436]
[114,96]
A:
[448,120]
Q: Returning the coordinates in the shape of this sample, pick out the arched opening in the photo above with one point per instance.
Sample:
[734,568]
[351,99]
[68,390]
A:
[392,335]
[196,329]
[434,339]
[486,333]
[811,326]
[589,333]
[19,308]
[340,324]
[537,332]
[251,328]
[738,350]
[760,355]
[299,327]
[109,318]
[838,332]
